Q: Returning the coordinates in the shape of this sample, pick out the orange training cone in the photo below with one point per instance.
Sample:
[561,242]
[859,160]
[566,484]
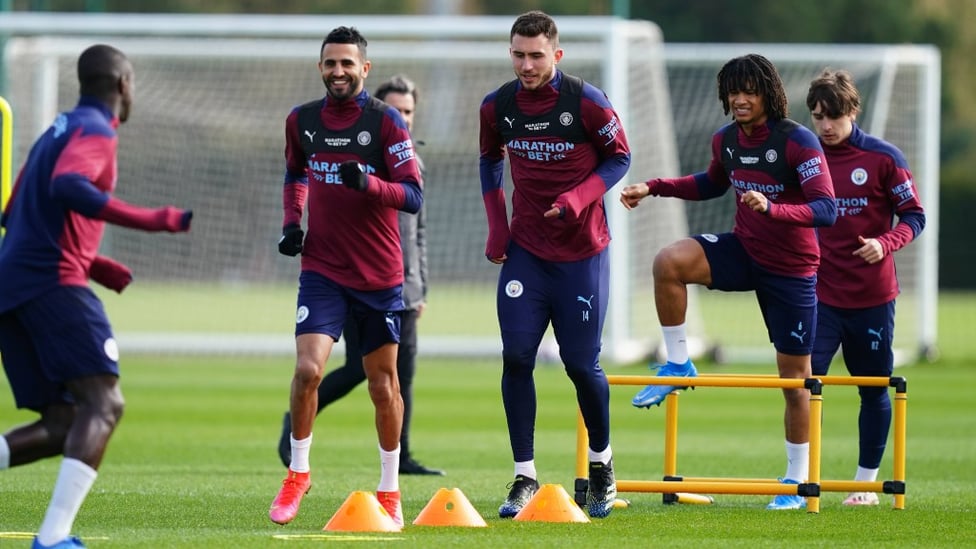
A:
[449,508]
[552,504]
[361,512]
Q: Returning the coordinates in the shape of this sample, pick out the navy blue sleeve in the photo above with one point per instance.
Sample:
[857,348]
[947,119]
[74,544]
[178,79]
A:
[413,197]
[78,194]
[915,220]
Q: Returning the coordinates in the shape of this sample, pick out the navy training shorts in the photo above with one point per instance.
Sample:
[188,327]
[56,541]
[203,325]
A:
[788,303]
[60,336]
[323,306]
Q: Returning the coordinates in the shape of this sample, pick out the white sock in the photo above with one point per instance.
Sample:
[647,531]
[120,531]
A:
[4,454]
[676,343]
[389,470]
[869,475]
[299,454]
[601,457]
[797,461]
[526,469]
[74,481]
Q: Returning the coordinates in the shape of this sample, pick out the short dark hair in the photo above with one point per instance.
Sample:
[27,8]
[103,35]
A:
[99,69]
[533,23]
[398,83]
[836,93]
[753,72]
[345,35]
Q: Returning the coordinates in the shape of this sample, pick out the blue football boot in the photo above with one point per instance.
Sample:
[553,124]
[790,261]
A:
[654,394]
[69,542]
[786,502]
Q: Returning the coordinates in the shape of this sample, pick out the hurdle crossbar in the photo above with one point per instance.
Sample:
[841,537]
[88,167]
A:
[673,483]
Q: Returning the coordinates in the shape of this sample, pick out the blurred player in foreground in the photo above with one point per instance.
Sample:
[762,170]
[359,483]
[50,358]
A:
[351,157]
[400,93]
[857,284]
[783,190]
[566,149]
[57,346]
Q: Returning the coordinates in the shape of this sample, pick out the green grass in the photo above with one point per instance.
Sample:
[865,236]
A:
[467,310]
[270,308]
[957,315]
[193,463]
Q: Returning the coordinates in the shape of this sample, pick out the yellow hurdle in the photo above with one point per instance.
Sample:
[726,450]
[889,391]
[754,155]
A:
[811,489]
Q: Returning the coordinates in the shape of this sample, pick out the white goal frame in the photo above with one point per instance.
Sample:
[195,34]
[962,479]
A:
[631,328]
[391,38]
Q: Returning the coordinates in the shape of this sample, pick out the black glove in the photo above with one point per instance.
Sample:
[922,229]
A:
[290,243]
[352,176]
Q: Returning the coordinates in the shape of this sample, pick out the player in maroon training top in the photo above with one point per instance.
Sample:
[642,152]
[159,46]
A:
[351,158]
[58,349]
[401,93]
[566,148]
[780,177]
[857,285]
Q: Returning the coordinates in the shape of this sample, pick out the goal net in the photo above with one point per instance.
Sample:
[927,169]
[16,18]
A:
[207,132]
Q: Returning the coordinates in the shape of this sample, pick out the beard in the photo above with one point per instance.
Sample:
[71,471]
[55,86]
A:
[348,91]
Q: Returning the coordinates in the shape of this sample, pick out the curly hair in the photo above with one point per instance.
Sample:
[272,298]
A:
[753,72]
[835,92]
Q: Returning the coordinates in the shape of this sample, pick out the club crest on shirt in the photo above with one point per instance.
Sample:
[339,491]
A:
[60,125]
[111,349]
[859,176]
[566,118]
[771,156]
[364,138]
[514,288]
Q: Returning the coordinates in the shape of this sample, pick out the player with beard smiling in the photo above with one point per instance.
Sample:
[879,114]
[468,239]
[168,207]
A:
[350,159]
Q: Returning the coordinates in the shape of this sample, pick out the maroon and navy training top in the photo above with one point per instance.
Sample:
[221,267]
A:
[872,184]
[60,203]
[783,239]
[549,166]
[353,237]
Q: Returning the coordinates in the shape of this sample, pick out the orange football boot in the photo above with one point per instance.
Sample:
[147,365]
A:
[284,508]
[391,503]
